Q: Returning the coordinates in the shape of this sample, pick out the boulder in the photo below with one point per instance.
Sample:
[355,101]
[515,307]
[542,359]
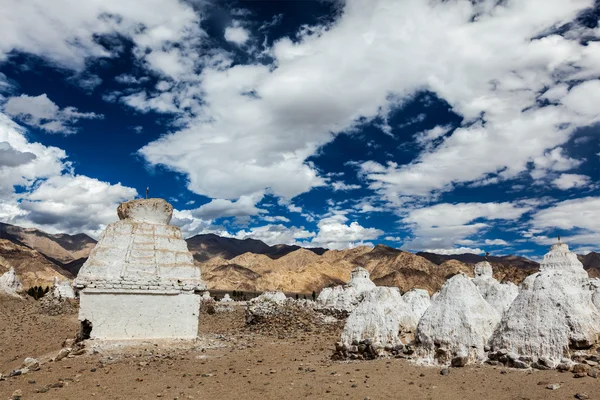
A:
[458,323]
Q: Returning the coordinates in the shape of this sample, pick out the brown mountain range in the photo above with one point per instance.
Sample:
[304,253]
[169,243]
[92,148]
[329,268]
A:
[252,265]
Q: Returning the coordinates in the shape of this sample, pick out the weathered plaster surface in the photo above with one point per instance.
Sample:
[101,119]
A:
[142,314]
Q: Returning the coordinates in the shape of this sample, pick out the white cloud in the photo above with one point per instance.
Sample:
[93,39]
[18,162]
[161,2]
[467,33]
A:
[335,233]
[218,208]
[570,181]
[237,34]
[569,214]
[444,225]
[496,242]
[276,234]
[74,203]
[343,186]
[453,251]
[41,112]
[66,33]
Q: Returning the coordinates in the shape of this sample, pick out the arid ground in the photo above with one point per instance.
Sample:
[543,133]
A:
[231,361]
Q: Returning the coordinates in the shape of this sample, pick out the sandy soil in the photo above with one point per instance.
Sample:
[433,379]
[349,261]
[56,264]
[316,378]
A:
[230,361]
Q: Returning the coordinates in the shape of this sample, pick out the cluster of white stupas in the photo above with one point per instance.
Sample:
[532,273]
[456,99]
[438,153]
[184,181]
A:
[140,281]
[553,314]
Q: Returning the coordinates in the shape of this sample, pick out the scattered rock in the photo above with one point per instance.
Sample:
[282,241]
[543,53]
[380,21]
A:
[581,396]
[553,386]
[62,354]
[17,394]
[445,371]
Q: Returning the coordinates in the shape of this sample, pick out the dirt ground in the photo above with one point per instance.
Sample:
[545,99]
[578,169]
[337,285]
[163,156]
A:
[230,361]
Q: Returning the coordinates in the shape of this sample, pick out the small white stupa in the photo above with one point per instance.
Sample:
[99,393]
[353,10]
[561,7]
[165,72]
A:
[62,289]
[418,300]
[346,297]
[457,325]
[10,283]
[226,299]
[499,295]
[553,313]
[140,280]
[382,317]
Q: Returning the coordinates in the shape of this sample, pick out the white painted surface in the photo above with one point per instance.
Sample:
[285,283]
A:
[382,316]
[226,299]
[418,300]
[499,295]
[63,289]
[553,310]
[10,283]
[347,297]
[595,286]
[142,314]
[458,321]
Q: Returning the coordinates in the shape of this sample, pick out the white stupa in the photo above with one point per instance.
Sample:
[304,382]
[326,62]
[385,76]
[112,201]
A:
[62,289]
[458,324]
[140,280]
[418,300]
[382,316]
[346,297]
[553,313]
[226,299]
[10,283]
[499,295]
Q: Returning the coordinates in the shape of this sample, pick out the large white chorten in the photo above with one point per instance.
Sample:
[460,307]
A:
[553,313]
[10,283]
[140,280]
[346,297]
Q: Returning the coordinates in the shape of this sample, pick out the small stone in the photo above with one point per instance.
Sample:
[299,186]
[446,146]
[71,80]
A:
[445,371]
[563,367]
[553,386]
[581,396]
[591,363]
[459,361]
[17,394]
[593,372]
[62,354]
[31,363]
[519,364]
[580,375]
[577,368]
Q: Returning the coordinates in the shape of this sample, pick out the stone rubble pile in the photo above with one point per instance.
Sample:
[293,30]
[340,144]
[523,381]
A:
[51,304]
[272,313]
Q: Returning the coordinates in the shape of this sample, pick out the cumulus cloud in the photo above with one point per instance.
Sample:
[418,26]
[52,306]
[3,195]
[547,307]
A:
[55,199]
[444,225]
[219,208]
[237,34]
[341,186]
[570,181]
[453,251]
[11,157]
[276,234]
[335,233]
[41,112]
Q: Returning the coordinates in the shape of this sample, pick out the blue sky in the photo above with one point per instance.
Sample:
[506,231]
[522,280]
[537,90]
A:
[446,126]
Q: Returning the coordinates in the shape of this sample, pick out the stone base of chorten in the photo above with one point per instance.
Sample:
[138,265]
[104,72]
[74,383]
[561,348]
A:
[139,314]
